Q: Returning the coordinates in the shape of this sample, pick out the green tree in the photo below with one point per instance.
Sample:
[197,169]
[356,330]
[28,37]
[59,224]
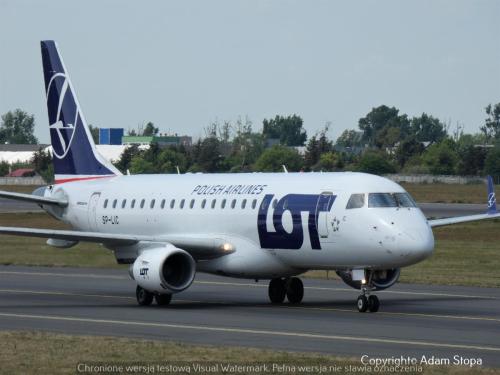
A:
[375,162]
[208,156]
[273,159]
[349,138]
[4,168]
[139,165]
[246,146]
[427,129]
[288,130]
[384,127]
[317,146]
[126,158]
[17,128]
[492,162]
[441,158]
[407,149]
[169,159]
[471,160]
[42,163]
[150,130]
[491,127]
[94,131]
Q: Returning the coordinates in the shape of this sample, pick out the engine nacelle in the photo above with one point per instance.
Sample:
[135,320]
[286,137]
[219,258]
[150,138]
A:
[380,279]
[165,269]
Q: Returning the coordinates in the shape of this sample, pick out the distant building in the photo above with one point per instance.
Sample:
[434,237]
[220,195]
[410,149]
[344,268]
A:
[22,172]
[162,141]
[111,136]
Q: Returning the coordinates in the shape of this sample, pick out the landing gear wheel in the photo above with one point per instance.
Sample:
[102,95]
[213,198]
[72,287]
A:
[373,303]
[144,298]
[295,290]
[277,290]
[362,303]
[163,299]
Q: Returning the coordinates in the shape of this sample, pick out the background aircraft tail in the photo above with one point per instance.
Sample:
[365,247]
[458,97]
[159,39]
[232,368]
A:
[492,201]
[74,153]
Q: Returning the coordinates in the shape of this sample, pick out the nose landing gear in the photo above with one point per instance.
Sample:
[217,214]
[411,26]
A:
[367,302]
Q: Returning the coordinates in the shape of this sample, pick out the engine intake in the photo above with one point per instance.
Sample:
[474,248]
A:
[165,269]
[381,279]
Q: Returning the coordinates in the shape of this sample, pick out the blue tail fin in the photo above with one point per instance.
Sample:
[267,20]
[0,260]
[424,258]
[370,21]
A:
[74,153]
[492,201]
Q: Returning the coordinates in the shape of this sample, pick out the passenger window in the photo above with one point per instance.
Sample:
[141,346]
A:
[162,204]
[381,200]
[233,203]
[172,203]
[203,203]
[243,203]
[142,203]
[132,205]
[223,203]
[254,204]
[214,201]
[356,201]
[105,203]
[114,203]
[124,203]
[152,204]
[191,205]
[182,203]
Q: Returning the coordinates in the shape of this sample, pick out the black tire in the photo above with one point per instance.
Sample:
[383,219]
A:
[163,299]
[277,290]
[362,304]
[373,304]
[295,290]
[144,298]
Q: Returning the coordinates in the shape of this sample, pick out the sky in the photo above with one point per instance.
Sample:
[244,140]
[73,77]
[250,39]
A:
[185,64]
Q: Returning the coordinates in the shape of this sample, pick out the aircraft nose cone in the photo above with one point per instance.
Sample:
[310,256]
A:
[416,242]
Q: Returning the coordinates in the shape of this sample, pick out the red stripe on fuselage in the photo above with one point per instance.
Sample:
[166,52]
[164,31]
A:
[80,179]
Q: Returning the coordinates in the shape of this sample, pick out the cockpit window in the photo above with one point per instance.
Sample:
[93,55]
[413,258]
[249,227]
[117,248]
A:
[356,201]
[382,200]
[405,200]
[390,200]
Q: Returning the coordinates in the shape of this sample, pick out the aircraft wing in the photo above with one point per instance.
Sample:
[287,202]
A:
[461,219]
[33,198]
[491,212]
[200,247]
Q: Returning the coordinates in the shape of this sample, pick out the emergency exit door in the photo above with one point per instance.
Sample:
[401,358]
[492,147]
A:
[92,212]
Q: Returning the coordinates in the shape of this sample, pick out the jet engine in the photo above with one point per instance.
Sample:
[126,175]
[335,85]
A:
[380,280]
[164,270]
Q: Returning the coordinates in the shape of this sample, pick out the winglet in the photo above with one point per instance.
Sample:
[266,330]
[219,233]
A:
[492,201]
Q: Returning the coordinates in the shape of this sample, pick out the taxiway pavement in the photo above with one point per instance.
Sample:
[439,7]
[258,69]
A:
[413,320]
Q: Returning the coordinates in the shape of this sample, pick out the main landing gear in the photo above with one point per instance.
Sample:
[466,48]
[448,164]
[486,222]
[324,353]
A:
[291,288]
[145,298]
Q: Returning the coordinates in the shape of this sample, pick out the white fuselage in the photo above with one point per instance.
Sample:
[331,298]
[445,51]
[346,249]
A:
[280,224]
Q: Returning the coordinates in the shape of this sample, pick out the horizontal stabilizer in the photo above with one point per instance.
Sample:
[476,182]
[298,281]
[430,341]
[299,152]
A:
[33,198]
[491,212]
[461,219]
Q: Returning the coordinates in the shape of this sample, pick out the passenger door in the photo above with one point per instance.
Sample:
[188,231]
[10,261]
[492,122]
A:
[323,206]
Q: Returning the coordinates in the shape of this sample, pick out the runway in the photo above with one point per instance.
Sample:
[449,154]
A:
[10,205]
[413,320]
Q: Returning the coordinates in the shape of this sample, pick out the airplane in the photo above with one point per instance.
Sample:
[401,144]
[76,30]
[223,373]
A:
[261,226]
